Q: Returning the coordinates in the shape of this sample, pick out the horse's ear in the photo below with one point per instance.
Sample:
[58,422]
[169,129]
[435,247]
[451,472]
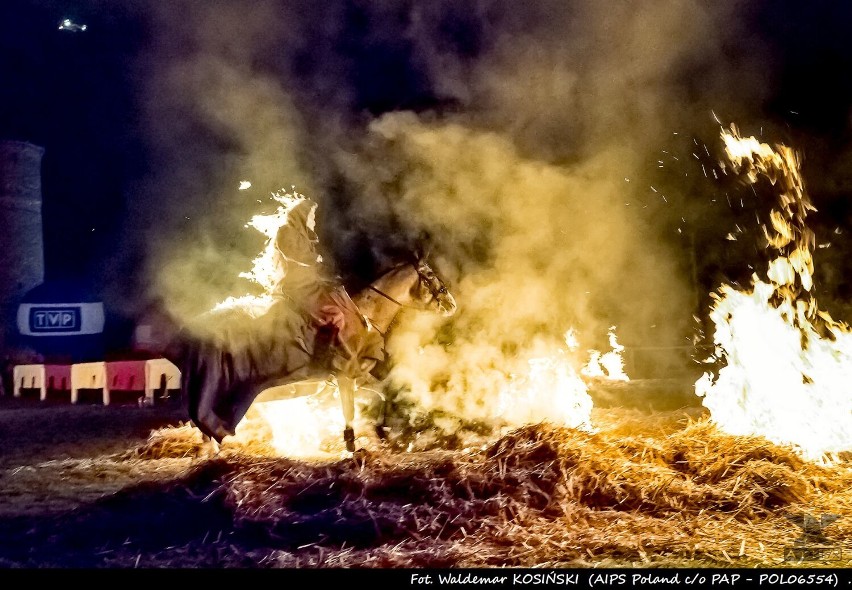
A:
[423,246]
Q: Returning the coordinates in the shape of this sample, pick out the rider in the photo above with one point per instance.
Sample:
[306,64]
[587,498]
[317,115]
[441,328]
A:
[342,340]
[296,244]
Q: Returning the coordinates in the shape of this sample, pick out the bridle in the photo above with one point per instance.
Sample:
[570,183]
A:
[433,292]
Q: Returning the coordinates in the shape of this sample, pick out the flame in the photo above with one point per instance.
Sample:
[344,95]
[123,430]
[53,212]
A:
[788,365]
[268,267]
[609,365]
[305,427]
[551,388]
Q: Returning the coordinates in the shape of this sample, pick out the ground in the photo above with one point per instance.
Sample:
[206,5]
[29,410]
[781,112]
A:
[655,485]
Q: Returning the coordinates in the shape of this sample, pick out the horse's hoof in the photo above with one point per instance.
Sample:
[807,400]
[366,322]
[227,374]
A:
[209,448]
[349,437]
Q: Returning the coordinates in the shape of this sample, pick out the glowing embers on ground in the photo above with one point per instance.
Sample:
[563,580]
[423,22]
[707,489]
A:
[552,390]
[788,366]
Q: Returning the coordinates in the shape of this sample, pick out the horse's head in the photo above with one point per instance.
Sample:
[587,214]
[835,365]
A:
[430,292]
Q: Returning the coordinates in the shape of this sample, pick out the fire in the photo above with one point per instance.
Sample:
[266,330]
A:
[609,365]
[267,268]
[788,365]
[552,389]
[305,427]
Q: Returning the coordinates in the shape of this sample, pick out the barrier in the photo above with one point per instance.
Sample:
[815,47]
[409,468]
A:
[89,376]
[160,373]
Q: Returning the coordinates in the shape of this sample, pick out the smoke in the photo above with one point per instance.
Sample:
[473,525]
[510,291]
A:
[531,250]
[522,139]
[213,116]
[537,190]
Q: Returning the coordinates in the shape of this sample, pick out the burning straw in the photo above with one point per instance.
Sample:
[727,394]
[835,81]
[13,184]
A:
[539,495]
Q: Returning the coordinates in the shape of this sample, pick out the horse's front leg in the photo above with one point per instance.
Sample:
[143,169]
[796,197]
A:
[346,388]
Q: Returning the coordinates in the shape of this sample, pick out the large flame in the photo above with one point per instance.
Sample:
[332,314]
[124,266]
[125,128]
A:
[788,366]
[305,427]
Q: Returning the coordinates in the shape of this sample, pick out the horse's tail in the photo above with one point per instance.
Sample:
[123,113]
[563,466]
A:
[177,348]
[183,351]
[211,394]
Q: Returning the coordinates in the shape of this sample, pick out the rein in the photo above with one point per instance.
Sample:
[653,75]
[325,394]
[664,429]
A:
[389,298]
[386,296]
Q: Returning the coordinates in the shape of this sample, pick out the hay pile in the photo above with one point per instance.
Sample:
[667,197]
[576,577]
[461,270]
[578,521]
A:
[641,492]
[185,441]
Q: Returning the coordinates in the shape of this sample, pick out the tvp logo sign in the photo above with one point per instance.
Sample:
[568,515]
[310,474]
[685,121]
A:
[48,320]
[54,319]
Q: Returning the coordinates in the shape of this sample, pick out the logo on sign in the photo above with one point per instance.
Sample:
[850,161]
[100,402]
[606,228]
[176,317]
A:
[54,319]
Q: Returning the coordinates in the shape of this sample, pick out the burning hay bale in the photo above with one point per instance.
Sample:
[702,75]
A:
[786,361]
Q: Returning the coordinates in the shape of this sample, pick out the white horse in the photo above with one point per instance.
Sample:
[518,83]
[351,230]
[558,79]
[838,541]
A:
[224,371]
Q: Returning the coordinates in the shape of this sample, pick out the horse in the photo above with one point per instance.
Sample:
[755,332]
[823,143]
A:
[238,357]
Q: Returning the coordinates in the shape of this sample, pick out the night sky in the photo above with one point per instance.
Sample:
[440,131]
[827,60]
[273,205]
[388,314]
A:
[142,134]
